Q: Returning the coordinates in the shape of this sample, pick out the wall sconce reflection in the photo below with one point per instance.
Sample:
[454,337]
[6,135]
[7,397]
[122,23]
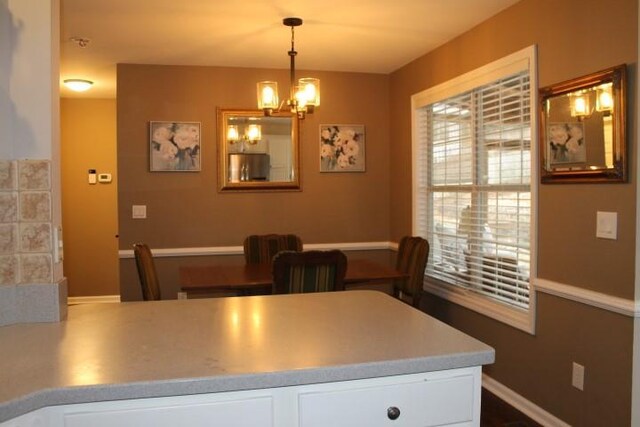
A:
[604,98]
[580,104]
[252,134]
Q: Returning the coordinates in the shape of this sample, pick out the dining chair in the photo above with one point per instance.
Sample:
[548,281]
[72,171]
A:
[262,248]
[413,253]
[309,271]
[147,272]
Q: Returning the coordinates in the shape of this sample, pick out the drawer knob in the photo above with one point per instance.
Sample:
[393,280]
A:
[393,413]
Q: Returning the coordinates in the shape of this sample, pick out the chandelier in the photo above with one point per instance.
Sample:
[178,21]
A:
[252,134]
[304,95]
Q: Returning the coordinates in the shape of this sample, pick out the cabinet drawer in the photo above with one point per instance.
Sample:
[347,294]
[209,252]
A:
[253,412]
[427,402]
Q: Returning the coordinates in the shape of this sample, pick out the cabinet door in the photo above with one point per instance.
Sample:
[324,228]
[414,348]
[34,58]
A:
[427,402]
[39,418]
[255,412]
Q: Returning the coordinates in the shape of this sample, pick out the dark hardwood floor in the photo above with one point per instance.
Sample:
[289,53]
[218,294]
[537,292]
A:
[497,413]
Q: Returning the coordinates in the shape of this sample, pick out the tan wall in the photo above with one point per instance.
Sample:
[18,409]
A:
[89,212]
[186,210]
[574,38]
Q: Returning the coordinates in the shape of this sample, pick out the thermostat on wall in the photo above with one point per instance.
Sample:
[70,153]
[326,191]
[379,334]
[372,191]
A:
[104,177]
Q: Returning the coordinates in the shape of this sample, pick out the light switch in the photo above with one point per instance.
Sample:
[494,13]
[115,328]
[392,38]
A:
[104,178]
[607,225]
[139,211]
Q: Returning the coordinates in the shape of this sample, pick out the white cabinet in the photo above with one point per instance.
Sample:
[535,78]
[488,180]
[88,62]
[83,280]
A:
[171,412]
[420,401]
[450,398]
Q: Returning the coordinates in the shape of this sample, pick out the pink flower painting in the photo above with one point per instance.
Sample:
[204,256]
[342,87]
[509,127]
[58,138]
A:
[342,148]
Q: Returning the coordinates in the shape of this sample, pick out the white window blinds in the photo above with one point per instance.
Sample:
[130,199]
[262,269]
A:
[473,187]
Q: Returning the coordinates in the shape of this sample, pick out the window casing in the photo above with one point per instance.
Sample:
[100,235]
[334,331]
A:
[474,186]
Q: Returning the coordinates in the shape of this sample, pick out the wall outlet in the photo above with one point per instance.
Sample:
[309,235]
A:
[58,247]
[577,377]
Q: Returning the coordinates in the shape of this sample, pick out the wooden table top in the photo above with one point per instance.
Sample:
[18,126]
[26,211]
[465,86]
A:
[258,276]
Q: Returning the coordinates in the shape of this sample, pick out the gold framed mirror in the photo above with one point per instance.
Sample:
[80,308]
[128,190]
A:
[257,152]
[582,129]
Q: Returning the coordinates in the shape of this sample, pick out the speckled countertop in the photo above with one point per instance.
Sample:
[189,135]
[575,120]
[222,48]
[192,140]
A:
[168,348]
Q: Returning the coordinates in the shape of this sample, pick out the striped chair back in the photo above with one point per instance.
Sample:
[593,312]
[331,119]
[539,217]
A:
[413,253]
[311,271]
[260,249]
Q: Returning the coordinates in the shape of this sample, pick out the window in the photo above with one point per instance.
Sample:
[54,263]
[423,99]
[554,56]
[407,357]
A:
[474,139]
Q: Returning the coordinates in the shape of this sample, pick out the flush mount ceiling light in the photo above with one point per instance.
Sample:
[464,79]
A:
[303,96]
[78,85]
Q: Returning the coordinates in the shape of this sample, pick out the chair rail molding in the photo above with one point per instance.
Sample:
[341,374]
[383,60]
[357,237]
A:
[612,303]
[238,250]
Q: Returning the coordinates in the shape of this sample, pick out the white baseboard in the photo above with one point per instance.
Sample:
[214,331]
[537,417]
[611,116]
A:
[93,299]
[523,405]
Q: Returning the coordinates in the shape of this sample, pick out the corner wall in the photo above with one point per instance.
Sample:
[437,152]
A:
[574,38]
[90,212]
[32,287]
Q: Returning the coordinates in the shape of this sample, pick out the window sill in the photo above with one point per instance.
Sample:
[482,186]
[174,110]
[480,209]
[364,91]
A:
[512,316]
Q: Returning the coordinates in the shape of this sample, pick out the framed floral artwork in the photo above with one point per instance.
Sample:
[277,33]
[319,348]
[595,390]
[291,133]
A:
[174,146]
[342,148]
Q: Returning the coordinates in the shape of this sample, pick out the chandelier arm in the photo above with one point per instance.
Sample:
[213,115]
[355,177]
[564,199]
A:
[292,74]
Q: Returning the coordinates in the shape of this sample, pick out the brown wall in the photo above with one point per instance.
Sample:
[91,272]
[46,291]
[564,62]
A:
[186,210]
[89,212]
[574,38]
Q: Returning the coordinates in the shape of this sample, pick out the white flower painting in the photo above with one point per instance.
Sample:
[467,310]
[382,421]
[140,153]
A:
[566,143]
[174,146]
[342,148]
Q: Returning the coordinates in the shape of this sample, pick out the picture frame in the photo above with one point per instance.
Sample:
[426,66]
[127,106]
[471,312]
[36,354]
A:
[342,148]
[174,146]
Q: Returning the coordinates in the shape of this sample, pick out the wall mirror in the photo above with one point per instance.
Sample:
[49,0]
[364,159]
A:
[582,129]
[256,152]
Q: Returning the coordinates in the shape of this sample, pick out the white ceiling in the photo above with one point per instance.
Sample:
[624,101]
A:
[373,36]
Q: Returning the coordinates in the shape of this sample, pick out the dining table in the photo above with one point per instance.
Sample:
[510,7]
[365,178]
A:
[257,278]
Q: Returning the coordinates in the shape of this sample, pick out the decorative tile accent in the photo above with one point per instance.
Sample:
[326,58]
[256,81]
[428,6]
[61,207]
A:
[35,206]
[26,263]
[8,179]
[34,174]
[35,237]
[8,238]
[8,269]
[8,207]
[36,268]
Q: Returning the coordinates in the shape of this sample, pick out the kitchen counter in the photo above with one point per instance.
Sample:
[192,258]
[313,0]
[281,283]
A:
[184,347]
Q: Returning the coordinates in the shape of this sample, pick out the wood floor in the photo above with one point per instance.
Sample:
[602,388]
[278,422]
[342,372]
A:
[497,413]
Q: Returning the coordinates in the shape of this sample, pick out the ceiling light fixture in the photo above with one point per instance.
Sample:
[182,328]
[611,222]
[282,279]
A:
[303,96]
[81,41]
[78,85]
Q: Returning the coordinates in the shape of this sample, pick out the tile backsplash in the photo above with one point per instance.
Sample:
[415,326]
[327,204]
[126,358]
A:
[25,222]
